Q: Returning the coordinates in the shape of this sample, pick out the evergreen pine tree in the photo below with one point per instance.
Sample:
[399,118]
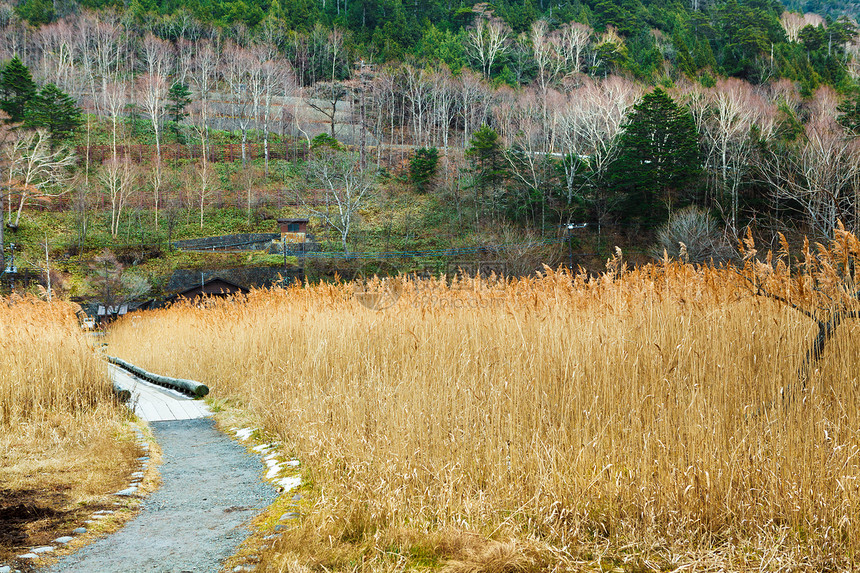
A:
[849,114]
[36,12]
[54,110]
[179,97]
[683,57]
[486,155]
[658,157]
[487,158]
[422,167]
[17,88]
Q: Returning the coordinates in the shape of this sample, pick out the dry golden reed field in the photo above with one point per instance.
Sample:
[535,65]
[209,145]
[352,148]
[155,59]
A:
[63,441]
[642,420]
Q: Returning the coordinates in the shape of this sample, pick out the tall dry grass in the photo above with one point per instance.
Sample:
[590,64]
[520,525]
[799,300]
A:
[64,443]
[555,421]
[47,365]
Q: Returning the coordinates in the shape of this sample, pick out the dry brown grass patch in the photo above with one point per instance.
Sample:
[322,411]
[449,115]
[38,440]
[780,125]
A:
[65,445]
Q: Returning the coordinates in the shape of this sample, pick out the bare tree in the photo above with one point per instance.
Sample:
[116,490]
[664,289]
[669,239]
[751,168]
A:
[547,54]
[345,184]
[255,89]
[506,110]
[184,60]
[793,23]
[158,59]
[818,172]
[36,170]
[295,112]
[575,38]
[609,42]
[487,39]
[56,43]
[117,177]
[240,71]
[7,137]
[550,61]
[205,183]
[152,90]
[520,59]
[335,49]
[732,112]
[15,39]
[311,50]
[108,49]
[114,100]
[529,157]
[157,55]
[385,90]
[417,91]
[444,101]
[277,80]
[589,122]
[89,81]
[784,92]
[202,172]
[473,103]
[696,98]
[325,97]
[203,72]
[853,65]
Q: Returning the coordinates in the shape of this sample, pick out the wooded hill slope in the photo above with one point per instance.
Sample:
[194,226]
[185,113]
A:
[529,115]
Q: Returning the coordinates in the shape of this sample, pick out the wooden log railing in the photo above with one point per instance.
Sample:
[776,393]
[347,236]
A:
[191,387]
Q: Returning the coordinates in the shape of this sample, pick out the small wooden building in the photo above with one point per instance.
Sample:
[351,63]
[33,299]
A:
[213,287]
[106,312]
[293,230]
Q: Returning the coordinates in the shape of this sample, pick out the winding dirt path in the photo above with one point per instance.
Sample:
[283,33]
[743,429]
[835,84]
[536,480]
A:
[211,486]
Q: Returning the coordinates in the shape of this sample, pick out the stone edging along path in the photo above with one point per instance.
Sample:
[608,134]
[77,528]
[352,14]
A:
[211,487]
[40,552]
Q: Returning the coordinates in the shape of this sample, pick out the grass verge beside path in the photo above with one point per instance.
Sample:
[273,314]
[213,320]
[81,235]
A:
[65,445]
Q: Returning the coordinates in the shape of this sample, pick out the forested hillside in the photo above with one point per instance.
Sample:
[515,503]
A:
[620,114]
[743,39]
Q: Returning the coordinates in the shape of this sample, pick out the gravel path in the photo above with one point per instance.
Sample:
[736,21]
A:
[211,486]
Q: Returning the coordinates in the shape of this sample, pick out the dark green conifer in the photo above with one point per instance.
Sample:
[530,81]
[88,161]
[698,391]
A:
[54,110]
[658,158]
[849,113]
[179,96]
[17,88]
[422,167]
[486,154]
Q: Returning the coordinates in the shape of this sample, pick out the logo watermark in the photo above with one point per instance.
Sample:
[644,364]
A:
[375,285]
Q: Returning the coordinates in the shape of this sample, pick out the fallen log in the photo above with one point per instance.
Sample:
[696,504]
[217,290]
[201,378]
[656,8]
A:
[191,387]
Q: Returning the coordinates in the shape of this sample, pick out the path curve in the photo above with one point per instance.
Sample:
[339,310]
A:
[211,486]
[154,403]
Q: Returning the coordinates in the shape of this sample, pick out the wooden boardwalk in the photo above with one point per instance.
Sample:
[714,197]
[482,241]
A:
[153,403]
